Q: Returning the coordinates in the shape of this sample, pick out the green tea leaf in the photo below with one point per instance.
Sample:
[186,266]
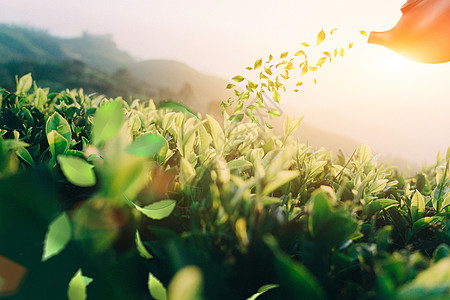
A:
[108,121]
[157,290]
[282,178]
[147,145]
[25,155]
[236,118]
[24,84]
[377,205]
[294,278]
[77,286]
[262,290]
[140,247]
[57,143]
[177,106]
[77,171]
[58,236]
[424,223]
[187,284]
[158,210]
[59,124]
[432,283]
[417,206]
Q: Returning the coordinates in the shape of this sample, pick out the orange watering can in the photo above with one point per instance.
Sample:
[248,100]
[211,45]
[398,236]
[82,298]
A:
[422,33]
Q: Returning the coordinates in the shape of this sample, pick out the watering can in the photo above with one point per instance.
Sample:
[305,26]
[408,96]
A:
[422,33]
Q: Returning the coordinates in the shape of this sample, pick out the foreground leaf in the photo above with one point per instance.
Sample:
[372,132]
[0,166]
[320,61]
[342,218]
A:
[294,278]
[147,145]
[157,290]
[187,284]
[77,286]
[158,210]
[177,106]
[432,283]
[77,170]
[58,236]
[262,290]
[141,248]
[108,121]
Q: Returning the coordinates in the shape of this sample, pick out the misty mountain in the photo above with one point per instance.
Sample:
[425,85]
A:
[96,64]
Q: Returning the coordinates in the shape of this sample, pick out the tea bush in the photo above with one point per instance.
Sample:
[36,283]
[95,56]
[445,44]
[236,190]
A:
[106,199]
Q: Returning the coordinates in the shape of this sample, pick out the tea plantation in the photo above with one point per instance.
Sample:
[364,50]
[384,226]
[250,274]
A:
[112,199]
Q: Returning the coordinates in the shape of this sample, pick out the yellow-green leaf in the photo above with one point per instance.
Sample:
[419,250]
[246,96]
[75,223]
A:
[157,290]
[238,78]
[58,236]
[141,248]
[258,64]
[77,170]
[108,121]
[158,210]
[77,286]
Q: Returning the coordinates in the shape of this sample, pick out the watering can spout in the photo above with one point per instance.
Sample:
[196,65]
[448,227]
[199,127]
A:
[422,33]
[379,38]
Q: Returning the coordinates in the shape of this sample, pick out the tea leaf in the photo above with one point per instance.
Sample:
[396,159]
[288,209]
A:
[236,118]
[305,44]
[298,53]
[350,46]
[57,143]
[77,171]
[230,86]
[320,37]
[258,64]
[147,145]
[274,113]
[59,124]
[284,54]
[417,206]
[177,106]
[58,236]
[304,70]
[377,205]
[77,286]
[262,290]
[342,52]
[141,248]
[282,178]
[333,30]
[363,33]
[157,290]
[276,96]
[238,78]
[158,210]
[24,84]
[108,121]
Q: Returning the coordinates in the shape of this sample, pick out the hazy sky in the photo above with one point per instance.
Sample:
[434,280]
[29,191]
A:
[372,94]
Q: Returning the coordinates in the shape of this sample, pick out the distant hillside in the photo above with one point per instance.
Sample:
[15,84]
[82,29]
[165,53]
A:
[28,44]
[95,64]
